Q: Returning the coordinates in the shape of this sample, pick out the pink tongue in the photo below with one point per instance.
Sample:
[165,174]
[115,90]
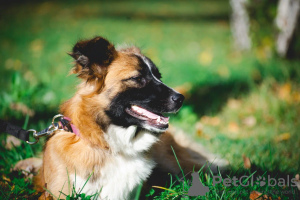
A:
[149,114]
[152,115]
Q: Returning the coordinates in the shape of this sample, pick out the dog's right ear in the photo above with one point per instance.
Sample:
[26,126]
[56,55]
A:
[92,57]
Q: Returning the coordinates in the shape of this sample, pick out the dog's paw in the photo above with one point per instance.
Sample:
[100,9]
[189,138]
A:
[28,166]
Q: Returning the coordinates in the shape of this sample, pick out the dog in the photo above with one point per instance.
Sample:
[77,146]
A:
[121,138]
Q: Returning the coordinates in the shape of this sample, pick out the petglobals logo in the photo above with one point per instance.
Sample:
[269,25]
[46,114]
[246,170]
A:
[245,181]
[199,189]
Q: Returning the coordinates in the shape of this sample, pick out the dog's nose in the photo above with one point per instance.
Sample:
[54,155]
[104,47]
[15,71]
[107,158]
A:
[178,98]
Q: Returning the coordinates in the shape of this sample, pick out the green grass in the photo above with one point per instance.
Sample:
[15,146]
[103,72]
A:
[242,183]
[191,44]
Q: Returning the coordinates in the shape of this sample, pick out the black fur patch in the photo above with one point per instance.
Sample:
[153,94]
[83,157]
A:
[95,51]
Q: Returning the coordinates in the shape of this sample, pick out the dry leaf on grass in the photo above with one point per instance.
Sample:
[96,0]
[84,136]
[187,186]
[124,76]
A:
[5,178]
[254,195]
[247,162]
[249,121]
[284,92]
[199,129]
[296,96]
[11,141]
[287,93]
[205,58]
[283,137]
[212,121]
[234,103]
[233,127]
[20,107]
[223,71]
[269,119]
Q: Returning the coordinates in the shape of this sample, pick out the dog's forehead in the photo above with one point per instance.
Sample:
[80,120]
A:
[131,63]
[125,65]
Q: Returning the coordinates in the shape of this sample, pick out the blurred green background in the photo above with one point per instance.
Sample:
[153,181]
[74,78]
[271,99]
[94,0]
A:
[237,103]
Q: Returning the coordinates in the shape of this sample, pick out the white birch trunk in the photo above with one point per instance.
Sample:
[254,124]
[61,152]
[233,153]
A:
[286,21]
[240,24]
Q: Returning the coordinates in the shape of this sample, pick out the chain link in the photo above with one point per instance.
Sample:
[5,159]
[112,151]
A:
[51,129]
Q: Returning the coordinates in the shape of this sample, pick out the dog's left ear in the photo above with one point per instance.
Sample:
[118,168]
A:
[92,57]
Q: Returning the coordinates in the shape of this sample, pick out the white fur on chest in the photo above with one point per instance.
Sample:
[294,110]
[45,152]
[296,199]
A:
[125,167]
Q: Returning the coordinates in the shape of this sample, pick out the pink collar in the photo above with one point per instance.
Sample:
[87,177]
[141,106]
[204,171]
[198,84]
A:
[65,123]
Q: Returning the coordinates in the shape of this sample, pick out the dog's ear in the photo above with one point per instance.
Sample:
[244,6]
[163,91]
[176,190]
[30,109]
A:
[92,57]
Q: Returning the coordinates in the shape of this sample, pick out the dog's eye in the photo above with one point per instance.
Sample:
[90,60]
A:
[140,80]
[137,78]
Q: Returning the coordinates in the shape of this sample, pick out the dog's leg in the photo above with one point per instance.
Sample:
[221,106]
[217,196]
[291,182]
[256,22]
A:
[190,155]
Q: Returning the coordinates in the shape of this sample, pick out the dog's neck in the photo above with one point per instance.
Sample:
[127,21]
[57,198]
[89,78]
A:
[129,141]
[81,117]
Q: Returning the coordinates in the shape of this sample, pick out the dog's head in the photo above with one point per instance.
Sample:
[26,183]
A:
[122,86]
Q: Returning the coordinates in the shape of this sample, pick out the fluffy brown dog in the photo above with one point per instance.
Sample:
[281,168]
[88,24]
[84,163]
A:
[121,132]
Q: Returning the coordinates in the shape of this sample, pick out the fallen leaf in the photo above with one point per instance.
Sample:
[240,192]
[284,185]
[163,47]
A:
[29,76]
[37,45]
[233,127]
[213,121]
[22,108]
[283,137]
[3,185]
[223,71]
[268,118]
[200,132]
[5,178]
[255,195]
[199,129]
[205,58]
[249,121]
[296,97]
[247,162]
[13,64]
[234,103]
[12,141]
[284,92]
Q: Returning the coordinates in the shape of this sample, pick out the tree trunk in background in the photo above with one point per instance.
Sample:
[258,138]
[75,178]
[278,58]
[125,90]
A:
[286,21]
[240,24]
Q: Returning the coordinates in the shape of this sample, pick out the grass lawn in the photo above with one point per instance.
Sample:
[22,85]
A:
[237,104]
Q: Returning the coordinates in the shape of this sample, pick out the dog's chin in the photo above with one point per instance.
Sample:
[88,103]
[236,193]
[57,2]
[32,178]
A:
[148,120]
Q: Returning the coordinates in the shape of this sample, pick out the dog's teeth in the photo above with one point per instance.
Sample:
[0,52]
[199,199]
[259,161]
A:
[134,107]
[137,109]
[158,119]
